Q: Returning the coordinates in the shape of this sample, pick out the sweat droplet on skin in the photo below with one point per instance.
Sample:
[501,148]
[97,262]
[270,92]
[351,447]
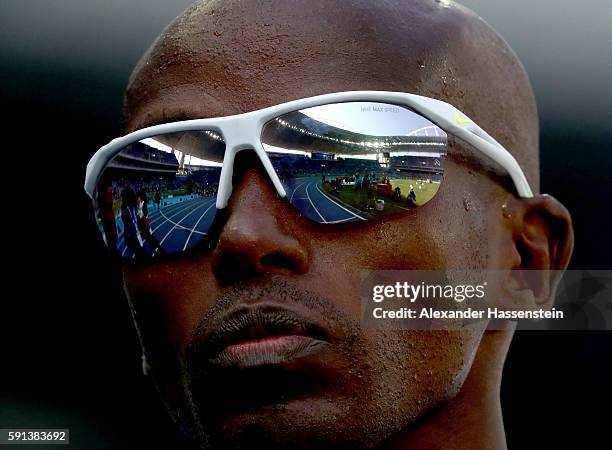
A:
[506,211]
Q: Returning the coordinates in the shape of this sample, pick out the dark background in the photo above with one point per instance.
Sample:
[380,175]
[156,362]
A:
[70,356]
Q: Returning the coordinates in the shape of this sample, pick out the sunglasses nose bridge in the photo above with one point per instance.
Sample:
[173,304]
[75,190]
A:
[240,134]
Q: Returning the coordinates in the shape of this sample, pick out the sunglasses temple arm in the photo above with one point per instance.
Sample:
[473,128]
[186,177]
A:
[490,147]
[457,123]
[94,168]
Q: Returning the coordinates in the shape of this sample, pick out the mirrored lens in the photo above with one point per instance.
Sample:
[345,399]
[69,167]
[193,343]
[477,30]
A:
[157,196]
[353,161]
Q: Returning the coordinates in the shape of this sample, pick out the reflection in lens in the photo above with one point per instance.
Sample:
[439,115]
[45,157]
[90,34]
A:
[157,196]
[352,161]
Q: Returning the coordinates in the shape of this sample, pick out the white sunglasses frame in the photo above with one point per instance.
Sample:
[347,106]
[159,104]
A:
[243,131]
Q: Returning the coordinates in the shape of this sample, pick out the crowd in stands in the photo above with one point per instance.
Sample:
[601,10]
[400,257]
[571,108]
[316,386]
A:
[301,165]
[420,163]
[203,184]
[143,152]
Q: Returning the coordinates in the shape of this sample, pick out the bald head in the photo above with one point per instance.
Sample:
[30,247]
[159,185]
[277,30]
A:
[227,57]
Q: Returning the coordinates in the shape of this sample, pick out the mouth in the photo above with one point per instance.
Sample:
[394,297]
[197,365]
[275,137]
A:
[264,334]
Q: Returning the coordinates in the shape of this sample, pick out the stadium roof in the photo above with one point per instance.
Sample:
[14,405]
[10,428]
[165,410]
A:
[299,131]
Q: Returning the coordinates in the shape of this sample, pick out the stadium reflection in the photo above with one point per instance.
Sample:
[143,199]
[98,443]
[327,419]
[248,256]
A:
[352,161]
[157,196]
[338,163]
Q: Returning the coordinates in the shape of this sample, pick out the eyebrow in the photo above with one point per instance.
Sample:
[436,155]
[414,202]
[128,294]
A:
[164,117]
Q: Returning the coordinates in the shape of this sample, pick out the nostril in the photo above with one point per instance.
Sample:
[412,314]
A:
[278,260]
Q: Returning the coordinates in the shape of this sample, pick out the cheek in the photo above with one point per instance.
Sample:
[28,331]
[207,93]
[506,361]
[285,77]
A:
[448,357]
[170,299]
[416,370]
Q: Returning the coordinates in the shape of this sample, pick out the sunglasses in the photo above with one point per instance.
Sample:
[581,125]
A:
[336,158]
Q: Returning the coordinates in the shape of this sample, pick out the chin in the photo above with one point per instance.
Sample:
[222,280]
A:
[299,424]
[317,418]
[324,421]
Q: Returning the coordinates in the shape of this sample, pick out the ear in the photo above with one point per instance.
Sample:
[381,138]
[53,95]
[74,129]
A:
[541,244]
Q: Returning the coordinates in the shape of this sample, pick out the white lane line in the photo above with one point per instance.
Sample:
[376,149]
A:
[338,204]
[155,211]
[153,217]
[196,226]
[168,218]
[176,225]
[315,208]
[293,193]
[341,220]
[181,207]
[156,215]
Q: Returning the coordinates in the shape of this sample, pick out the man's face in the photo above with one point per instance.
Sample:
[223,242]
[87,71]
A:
[274,273]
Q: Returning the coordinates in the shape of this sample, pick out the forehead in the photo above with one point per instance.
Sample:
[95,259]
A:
[231,57]
[211,63]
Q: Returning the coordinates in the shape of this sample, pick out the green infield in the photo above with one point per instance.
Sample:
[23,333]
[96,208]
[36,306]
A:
[359,198]
[175,193]
[423,191]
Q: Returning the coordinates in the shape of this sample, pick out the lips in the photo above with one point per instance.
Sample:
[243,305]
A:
[262,335]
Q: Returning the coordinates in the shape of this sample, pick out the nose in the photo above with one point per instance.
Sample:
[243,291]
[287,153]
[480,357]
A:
[259,235]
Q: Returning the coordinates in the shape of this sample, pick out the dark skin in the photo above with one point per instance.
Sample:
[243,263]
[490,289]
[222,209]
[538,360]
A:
[404,388]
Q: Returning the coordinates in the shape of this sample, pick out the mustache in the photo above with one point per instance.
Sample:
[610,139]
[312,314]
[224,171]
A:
[319,315]
[314,307]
